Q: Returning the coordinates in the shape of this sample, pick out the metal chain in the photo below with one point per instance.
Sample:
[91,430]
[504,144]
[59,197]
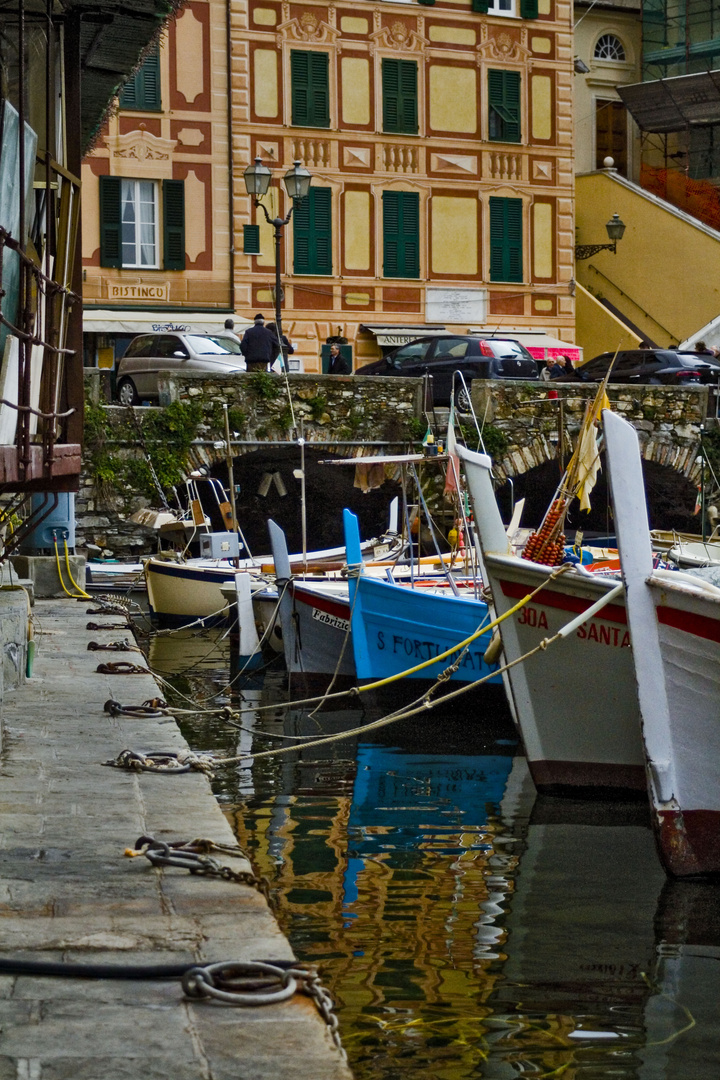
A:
[192,855]
[113,646]
[254,983]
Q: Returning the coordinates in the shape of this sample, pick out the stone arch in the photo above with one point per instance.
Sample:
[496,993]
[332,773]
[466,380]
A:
[660,449]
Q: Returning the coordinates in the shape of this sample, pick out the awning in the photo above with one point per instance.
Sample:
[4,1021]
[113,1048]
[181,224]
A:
[98,321]
[391,336]
[674,104]
[539,344]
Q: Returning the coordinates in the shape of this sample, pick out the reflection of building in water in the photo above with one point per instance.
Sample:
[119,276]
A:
[401,870]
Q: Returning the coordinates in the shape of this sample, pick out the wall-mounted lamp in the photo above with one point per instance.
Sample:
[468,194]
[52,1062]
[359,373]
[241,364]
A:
[615,229]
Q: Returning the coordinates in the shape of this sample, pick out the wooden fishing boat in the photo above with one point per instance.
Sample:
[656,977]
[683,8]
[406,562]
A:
[314,618]
[395,626]
[676,616]
[575,703]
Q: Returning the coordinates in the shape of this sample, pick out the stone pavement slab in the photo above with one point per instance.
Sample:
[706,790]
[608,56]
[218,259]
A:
[68,892]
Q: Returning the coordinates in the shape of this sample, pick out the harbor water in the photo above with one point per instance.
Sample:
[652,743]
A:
[465,927]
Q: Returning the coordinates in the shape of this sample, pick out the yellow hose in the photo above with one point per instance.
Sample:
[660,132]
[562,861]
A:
[80,595]
[83,594]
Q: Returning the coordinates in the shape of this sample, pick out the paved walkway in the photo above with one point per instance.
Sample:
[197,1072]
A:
[67,892]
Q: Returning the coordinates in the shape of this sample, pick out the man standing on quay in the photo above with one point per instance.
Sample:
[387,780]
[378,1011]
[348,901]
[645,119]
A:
[259,346]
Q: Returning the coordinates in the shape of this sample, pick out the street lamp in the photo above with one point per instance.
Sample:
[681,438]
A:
[615,229]
[297,182]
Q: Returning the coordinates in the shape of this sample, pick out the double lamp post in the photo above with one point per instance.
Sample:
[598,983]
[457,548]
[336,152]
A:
[297,183]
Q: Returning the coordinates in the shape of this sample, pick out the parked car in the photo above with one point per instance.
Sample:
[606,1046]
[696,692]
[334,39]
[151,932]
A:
[668,366]
[475,357]
[146,355]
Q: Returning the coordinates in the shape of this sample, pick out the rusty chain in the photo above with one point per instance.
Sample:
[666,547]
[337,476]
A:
[254,983]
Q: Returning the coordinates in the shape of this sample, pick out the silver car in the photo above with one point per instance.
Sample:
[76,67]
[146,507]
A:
[137,371]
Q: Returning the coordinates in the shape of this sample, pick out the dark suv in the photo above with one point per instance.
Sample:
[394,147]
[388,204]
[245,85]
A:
[475,357]
[652,366]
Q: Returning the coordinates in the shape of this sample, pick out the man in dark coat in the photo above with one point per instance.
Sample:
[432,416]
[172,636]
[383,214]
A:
[338,364]
[259,345]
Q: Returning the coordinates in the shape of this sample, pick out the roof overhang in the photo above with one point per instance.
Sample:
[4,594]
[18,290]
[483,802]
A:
[538,343]
[398,335]
[109,321]
[674,104]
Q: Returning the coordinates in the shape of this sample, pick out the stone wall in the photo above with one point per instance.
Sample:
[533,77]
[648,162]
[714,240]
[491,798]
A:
[667,419]
[343,414]
[340,412]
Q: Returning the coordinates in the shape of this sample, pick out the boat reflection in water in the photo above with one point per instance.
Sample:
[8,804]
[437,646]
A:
[466,928]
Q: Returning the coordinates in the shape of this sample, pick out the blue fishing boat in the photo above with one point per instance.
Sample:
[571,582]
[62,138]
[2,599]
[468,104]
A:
[396,627]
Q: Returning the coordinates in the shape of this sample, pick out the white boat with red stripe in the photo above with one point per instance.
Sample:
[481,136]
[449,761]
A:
[575,703]
[676,619]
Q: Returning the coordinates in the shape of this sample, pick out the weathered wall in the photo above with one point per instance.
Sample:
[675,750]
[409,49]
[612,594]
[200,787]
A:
[667,419]
[339,412]
[342,414]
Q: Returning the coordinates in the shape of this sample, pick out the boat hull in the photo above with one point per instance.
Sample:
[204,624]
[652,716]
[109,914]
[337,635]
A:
[575,702]
[676,618]
[179,593]
[396,628]
[688,824]
[319,637]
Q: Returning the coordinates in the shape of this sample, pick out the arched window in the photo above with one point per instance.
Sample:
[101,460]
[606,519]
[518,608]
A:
[609,47]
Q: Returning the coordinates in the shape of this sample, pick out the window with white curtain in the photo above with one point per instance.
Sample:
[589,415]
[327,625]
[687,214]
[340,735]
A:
[140,239]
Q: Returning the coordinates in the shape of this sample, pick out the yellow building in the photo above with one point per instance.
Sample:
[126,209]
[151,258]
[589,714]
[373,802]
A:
[441,146]
[440,142]
[608,48]
[156,238]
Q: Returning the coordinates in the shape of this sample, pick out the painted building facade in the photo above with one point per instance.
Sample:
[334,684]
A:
[156,239]
[440,140]
[608,43]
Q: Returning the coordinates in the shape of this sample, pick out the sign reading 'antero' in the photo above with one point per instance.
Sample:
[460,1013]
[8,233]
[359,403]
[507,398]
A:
[159,291]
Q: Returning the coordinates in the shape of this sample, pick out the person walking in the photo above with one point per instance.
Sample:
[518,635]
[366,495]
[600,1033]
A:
[259,345]
[338,364]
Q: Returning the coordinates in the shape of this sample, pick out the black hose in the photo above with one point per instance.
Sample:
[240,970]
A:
[49,968]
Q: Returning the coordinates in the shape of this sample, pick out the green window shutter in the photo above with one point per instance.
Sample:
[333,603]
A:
[506,262]
[481,6]
[312,233]
[251,239]
[110,218]
[310,88]
[174,224]
[399,85]
[319,90]
[143,90]
[128,94]
[528,9]
[300,83]
[401,234]
[428,3]
[504,106]
[322,229]
[149,76]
